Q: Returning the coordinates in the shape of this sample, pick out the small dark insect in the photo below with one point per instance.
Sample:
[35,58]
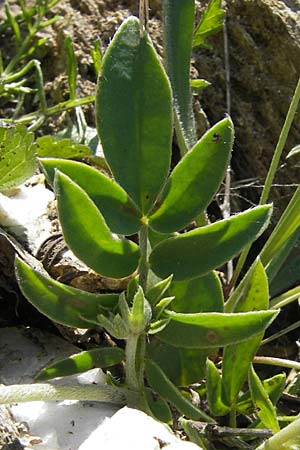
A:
[216,138]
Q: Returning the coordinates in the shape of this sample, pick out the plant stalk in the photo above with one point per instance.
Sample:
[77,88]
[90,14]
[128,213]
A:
[280,362]
[134,368]
[143,268]
[49,392]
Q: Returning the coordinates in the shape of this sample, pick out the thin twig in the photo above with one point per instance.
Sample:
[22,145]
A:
[225,207]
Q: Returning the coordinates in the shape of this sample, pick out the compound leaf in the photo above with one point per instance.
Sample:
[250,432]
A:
[211,22]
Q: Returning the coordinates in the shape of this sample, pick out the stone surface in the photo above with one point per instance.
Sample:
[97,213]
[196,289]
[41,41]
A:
[130,429]
[70,424]
[264,56]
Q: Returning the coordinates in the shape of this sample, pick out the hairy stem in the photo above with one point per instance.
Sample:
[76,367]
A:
[132,379]
[49,392]
[143,264]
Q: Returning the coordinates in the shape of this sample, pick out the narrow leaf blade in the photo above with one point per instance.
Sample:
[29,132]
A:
[237,358]
[178,35]
[210,330]
[194,181]
[83,361]
[61,303]
[161,384]
[214,390]
[264,407]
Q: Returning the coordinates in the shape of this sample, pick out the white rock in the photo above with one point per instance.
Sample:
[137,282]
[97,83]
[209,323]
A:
[130,429]
[73,425]
[24,212]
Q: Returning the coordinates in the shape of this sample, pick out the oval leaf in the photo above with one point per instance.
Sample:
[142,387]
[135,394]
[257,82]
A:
[206,330]
[119,211]
[61,303]
[83,361]
[134,114]
[86,233]
[194,181]
[199,251]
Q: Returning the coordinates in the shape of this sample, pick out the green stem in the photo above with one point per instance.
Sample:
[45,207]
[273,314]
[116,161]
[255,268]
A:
[282,439]
[134,368]
[286,330]
[271,172]
[48,392]
[143,268]
[286,298]
[232,417]
[132,379]
[57,109]
[276,362]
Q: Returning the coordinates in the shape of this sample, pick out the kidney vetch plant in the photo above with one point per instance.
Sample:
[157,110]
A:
[172,318]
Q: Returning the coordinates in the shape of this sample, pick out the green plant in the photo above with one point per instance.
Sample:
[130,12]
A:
[172,317]
[14,73]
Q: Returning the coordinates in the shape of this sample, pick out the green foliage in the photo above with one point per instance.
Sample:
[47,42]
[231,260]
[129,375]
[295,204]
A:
[26,28]
[211,22]
[265,409]
[138,151]
[63,304]
[161,384]
[17,156]
[199,251]
[172,316]
[119,211]
[178,35]
[194,181]
[97,247]
[81,362]
[48,146]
